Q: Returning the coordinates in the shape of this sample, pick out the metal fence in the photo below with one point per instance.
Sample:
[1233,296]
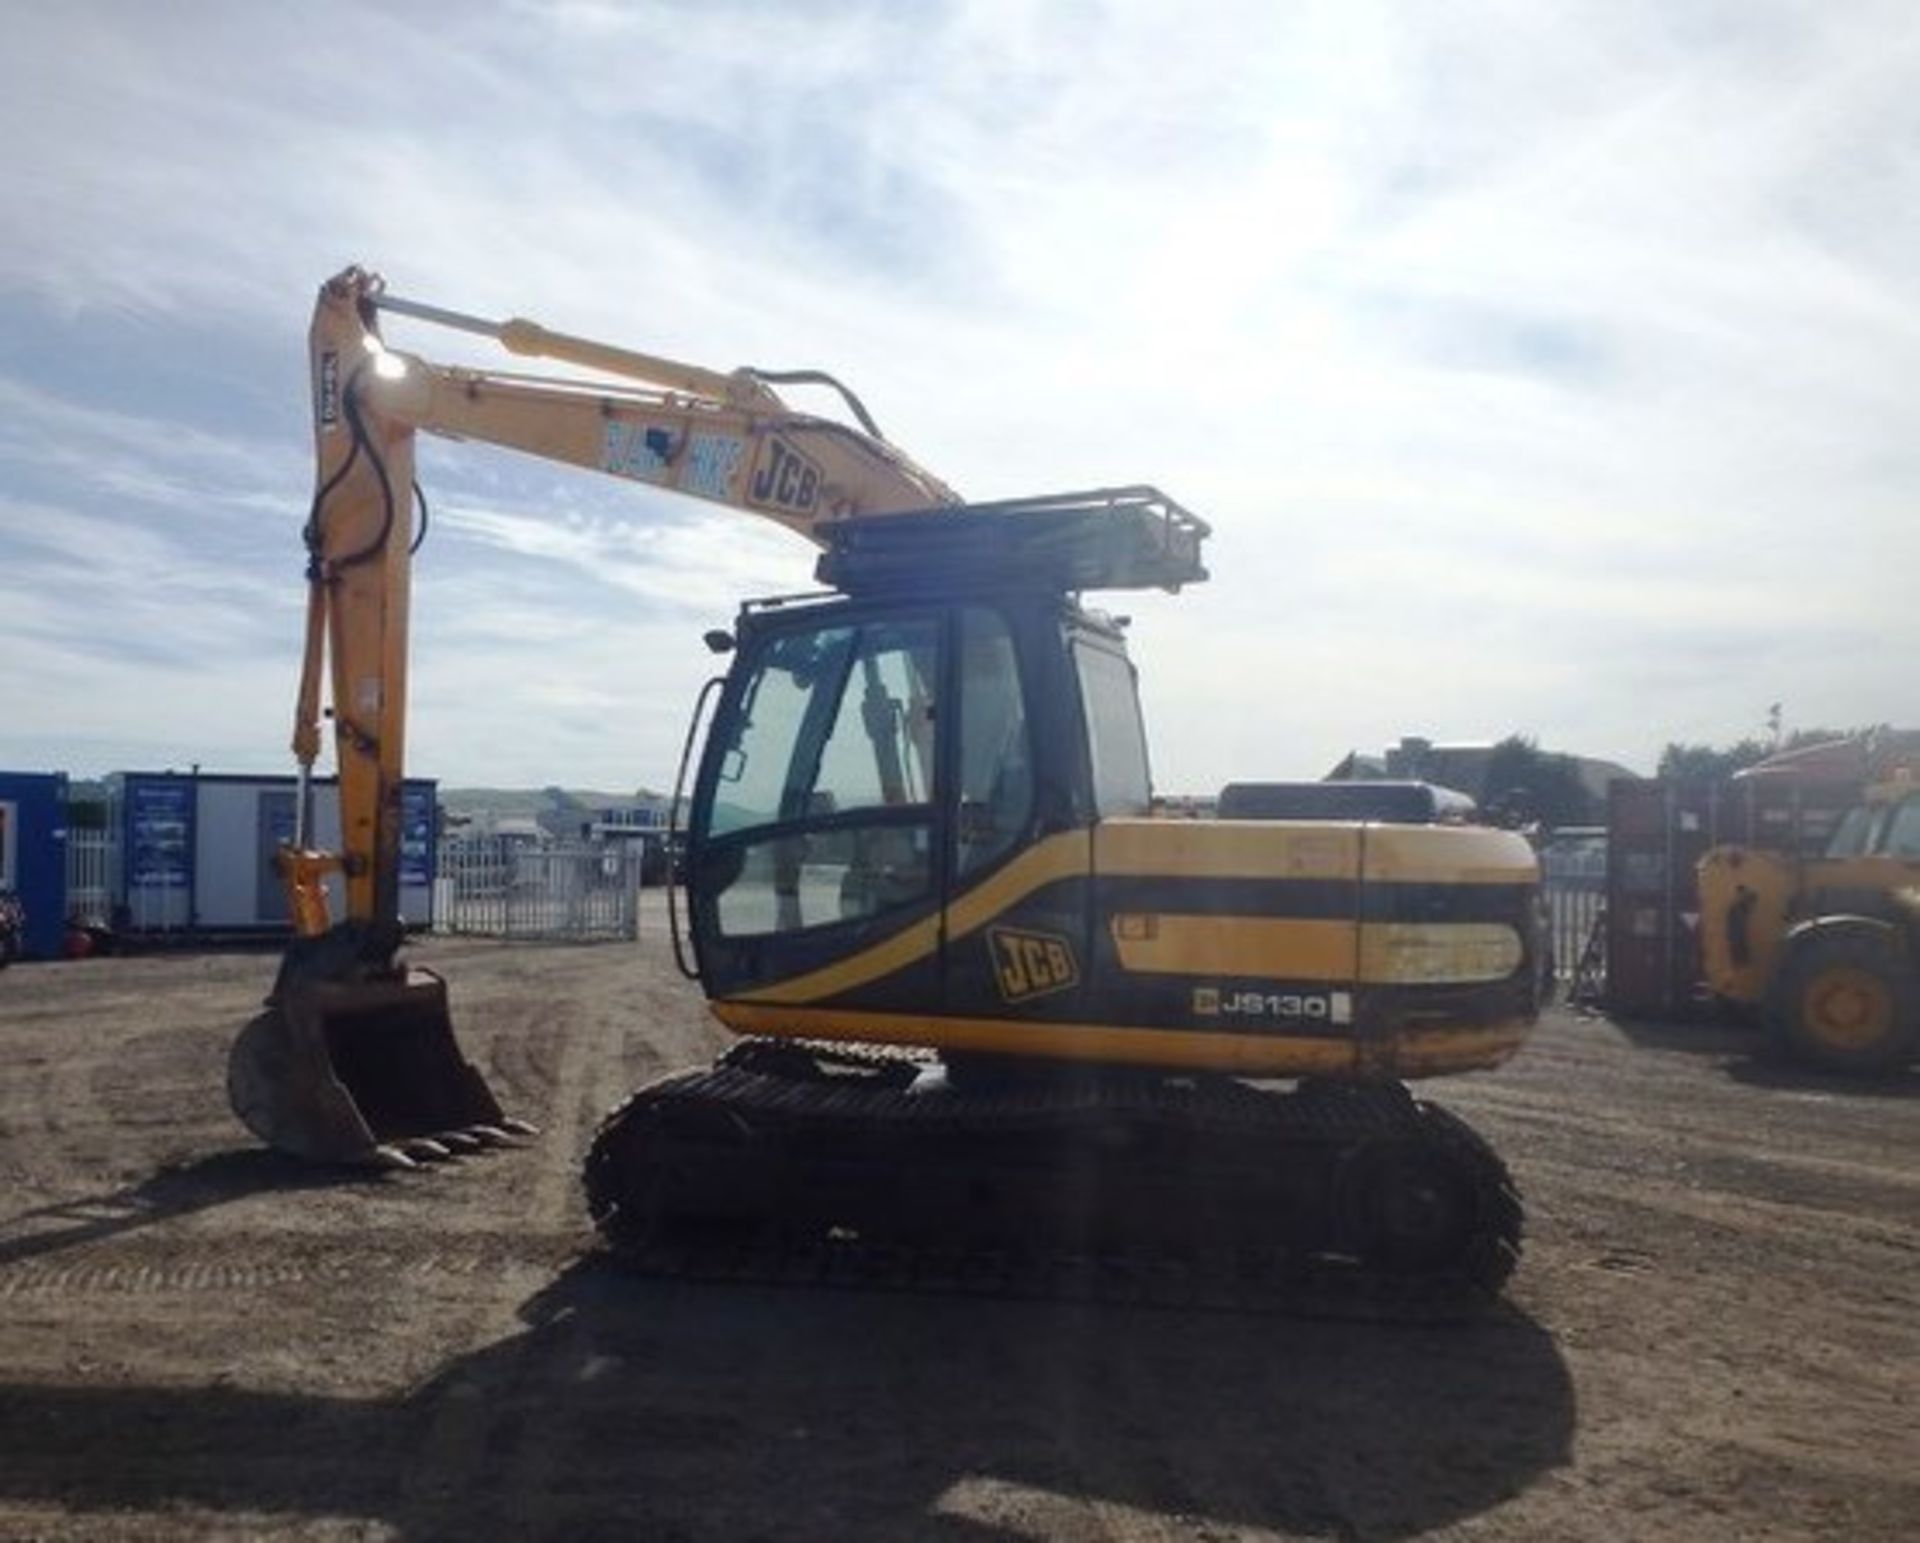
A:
[1573,867]
[90,855]
[505,887]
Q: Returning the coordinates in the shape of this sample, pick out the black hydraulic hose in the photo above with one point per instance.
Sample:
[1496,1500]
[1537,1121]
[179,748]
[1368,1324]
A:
[362,444]
[821,378]
[310,534]
[419,536]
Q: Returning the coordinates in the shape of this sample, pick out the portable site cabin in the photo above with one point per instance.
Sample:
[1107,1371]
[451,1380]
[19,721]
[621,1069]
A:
[195,851]
[33,856]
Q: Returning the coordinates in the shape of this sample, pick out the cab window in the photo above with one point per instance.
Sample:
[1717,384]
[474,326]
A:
[1116,738]
[996,754]
[1849,838]
[823,807]
[1903,830]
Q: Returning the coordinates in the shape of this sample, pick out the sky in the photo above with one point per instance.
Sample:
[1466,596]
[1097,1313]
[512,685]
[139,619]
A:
[1540,368]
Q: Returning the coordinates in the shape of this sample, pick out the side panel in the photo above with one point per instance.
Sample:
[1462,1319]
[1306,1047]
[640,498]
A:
[1264,949]
[1411,948]
[1243,927]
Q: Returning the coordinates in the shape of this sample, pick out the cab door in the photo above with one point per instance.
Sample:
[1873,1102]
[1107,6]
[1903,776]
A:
[1018,945]
[817,839]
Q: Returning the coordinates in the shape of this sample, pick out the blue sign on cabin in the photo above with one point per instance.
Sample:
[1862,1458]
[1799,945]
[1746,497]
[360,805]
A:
[418,857]
[33,855]
[159,851]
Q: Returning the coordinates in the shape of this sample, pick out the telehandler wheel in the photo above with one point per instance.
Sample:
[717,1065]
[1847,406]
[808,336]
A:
[1847,1002]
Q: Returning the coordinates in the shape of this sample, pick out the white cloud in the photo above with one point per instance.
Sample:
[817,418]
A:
[1541,369]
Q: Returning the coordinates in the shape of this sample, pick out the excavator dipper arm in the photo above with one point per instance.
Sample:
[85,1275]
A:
[354,1058]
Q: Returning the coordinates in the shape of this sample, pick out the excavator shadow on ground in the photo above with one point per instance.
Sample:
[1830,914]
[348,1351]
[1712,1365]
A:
[172,1191]
[636,1408]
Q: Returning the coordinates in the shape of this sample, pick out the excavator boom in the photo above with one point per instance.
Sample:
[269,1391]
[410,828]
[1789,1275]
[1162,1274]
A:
[354,1057]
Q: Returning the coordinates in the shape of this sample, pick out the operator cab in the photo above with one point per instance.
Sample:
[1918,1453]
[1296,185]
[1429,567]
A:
[923,817]
[877,752]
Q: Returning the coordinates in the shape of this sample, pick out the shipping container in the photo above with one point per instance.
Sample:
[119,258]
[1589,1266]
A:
[33,856]
[194,851]
[1657,832]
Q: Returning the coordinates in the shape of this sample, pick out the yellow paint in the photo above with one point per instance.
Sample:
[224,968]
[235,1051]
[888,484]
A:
[1065,856]
[1291,849]
[1295,949]
[1226,849]
[1448,854]
[1441,1052]
[1414,1052]
[359,597]
[1769,888]
[1848,1008]
[1437,953]
[1759,885]
[1044,863]
[1252,947]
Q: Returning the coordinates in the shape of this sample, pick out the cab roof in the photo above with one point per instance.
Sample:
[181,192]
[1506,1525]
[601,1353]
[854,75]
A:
[1107,538]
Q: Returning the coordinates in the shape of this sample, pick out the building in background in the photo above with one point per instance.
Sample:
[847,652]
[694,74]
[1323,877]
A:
[1563,789]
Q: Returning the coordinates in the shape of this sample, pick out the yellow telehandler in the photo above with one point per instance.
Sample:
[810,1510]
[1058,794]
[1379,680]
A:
[1827,948]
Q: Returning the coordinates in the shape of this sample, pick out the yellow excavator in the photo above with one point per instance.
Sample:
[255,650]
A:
[988,1003]
[1827,948]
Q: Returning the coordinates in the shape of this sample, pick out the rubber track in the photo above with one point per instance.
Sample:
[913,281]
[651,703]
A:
[868,1093]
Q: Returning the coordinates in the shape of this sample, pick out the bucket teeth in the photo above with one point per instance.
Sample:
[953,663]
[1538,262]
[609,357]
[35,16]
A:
[360,1064]
[517,1127]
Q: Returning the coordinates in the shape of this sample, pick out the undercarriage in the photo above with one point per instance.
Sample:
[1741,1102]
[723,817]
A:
[791,1162]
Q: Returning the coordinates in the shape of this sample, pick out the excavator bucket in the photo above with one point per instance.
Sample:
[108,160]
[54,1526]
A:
[362,1071]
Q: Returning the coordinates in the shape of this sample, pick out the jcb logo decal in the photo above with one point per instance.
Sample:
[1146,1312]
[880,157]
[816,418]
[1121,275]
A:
[1030,964]
[787,480]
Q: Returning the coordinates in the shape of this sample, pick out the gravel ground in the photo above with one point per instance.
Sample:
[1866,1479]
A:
[1715,1332]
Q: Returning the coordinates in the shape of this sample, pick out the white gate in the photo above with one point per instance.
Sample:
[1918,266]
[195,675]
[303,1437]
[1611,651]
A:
[1573,868]
[90,855]
[505,887]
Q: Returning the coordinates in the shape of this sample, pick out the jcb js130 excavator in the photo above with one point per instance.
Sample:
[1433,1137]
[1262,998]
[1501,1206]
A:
[990,1004]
